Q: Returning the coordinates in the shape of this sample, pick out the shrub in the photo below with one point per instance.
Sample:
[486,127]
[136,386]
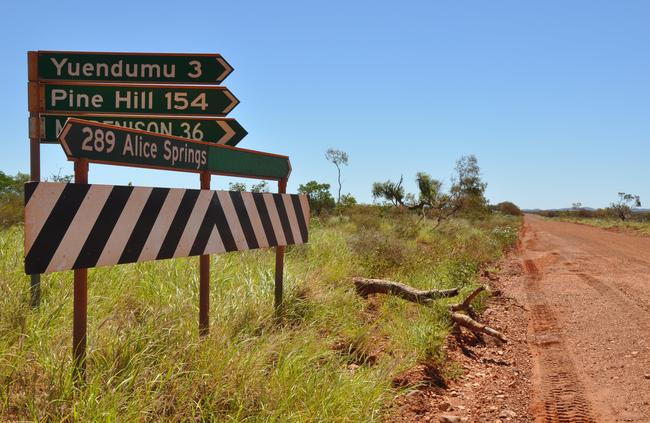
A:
[378,253]
[506,236]
[11,210]
[347,201]
[365,217]
[509,208]
[320,199]
[11,198]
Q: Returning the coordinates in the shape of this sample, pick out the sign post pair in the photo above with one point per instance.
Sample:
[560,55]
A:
[160,111]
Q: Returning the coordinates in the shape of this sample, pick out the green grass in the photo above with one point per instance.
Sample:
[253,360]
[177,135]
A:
[329,356]
[641,227]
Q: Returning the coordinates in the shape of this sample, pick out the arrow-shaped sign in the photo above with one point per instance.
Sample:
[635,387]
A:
[224,131]
[134,99]
[110,144]
[161,68]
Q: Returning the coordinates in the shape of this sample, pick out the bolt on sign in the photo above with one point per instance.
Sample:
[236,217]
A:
[158,68]
[109,144]
[224,131]
[77,226]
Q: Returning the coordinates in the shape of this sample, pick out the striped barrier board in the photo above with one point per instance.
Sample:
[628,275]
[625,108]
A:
[77,226]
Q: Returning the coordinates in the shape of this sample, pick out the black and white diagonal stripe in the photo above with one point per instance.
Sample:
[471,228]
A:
[76,226]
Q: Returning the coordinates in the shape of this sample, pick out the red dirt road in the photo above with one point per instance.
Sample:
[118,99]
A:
[588,295]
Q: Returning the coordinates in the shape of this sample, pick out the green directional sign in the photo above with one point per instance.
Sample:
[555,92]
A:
[109,144]
[224,131]
[136,99]
[174,68]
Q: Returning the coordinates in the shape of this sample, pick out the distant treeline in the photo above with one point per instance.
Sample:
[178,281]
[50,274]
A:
[603,213]
[464,198]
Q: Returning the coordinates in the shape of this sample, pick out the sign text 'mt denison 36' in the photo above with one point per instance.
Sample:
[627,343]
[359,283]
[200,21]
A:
[225,131]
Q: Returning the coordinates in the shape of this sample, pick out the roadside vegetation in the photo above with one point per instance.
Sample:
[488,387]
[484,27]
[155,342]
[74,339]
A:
[328,355]
[622,214]
[638,223]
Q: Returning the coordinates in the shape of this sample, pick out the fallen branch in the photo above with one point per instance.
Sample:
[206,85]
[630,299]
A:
[466,305]
[467,320]
[366,287]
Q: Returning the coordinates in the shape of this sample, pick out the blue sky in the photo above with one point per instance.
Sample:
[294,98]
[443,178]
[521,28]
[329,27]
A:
[553,97]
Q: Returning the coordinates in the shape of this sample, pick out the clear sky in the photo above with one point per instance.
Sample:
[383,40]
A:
[553,97]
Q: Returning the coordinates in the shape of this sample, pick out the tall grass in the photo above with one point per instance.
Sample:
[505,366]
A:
[329,356]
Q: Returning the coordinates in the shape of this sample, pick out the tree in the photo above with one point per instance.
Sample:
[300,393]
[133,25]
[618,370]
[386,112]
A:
[60,178]
[241,187]
[466,193]
[623,207]
[431,197]
[468,189]
[389,191]
[430,189]
[260,187]
[320,198]
[576,206]
[339,158]
[13,185]
[237,186]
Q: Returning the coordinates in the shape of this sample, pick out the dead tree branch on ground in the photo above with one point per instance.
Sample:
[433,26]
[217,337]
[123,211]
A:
[366,287]
[462,314]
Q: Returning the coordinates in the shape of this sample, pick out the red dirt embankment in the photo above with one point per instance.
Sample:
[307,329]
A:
[574,302]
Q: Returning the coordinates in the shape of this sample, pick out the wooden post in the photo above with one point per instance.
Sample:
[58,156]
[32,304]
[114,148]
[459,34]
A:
[204,278]
[279,258]
[80,304]
[34,149]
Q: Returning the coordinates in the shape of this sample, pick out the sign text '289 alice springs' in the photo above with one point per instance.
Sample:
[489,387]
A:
[109,144]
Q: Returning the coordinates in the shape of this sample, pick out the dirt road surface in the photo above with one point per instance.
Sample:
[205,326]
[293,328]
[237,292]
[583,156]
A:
[574,303]
[587,291]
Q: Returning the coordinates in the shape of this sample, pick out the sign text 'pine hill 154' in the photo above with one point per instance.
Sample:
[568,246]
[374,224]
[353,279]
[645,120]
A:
[160,68]
[134,99]
[224,131]
[109,144]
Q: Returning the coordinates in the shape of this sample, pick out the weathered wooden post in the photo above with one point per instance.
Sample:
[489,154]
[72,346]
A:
[34,149]
[80,303]
[204,278]
[279,257]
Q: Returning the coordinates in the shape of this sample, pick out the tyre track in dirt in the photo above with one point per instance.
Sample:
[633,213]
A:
[561,396]
[589,325]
